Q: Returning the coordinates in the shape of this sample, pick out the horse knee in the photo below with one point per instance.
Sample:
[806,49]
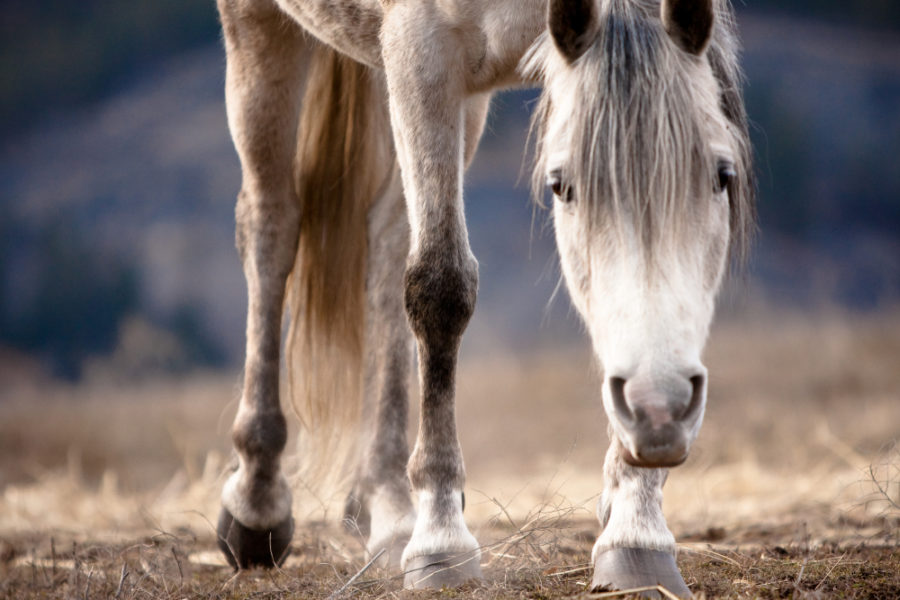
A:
[440,297]
[267,227]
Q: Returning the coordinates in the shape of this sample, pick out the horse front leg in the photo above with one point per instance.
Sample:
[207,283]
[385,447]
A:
[264,81]
[424,68]
[635,548]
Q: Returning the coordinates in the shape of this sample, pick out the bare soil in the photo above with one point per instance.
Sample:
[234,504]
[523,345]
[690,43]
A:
[534,563]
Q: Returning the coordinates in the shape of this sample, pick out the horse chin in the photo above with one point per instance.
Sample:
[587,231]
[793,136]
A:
[653,461]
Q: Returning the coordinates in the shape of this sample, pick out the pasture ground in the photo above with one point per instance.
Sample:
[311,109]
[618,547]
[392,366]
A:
[108,489]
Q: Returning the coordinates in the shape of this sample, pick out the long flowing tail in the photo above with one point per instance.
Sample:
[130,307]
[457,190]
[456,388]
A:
[344,156]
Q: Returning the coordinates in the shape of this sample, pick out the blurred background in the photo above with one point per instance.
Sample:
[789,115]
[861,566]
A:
[118,184]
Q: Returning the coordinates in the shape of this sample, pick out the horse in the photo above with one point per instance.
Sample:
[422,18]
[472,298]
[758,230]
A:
[354,121]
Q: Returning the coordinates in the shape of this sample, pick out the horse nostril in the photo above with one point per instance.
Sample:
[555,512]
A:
[698,383]
[617,388]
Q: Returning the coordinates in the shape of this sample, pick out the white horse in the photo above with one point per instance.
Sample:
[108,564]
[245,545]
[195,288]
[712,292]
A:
[353,121]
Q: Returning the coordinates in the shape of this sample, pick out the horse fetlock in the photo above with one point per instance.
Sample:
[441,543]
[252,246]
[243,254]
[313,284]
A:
[257,500]
[437,468]
[634,525]
[260,436]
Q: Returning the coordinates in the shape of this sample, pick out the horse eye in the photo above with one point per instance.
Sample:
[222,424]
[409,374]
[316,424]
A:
[724,176]
[560,190]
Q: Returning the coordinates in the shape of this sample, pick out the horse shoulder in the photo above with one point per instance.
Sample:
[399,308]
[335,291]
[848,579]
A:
[484,40]
[510,28]
[351,27]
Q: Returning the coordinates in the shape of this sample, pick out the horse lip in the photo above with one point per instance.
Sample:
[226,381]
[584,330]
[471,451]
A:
[661,463]
[654,456]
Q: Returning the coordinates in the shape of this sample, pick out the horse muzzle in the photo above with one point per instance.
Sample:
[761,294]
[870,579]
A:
[656,418]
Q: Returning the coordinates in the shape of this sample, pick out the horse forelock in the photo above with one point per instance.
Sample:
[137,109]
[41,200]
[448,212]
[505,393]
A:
[638,147]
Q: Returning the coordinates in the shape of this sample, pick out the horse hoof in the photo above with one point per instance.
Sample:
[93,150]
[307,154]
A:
[441,570]
[632,568]
[245,547]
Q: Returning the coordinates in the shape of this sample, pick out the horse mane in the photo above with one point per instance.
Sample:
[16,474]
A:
[640,143]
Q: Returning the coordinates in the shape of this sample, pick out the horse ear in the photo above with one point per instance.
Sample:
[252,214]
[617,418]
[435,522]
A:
[573,25]
[688,22]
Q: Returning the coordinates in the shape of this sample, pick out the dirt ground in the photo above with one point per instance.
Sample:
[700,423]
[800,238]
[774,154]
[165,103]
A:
[109,489]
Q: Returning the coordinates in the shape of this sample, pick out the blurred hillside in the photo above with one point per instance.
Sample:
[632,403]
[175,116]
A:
[55,54]
[118,180]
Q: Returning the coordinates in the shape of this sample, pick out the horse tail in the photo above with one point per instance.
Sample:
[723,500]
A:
[344,156]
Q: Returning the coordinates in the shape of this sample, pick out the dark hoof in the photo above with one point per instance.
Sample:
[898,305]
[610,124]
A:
[632,568]
[245,548]
[445,569]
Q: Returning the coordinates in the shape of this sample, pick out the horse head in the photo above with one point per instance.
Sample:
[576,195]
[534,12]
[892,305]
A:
[649,175]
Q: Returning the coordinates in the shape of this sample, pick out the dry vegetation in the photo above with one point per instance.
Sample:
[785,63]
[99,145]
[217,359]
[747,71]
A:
[107,490]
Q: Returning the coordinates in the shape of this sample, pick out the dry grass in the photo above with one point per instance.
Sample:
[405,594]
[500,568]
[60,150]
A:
[546,557]
[107,491]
